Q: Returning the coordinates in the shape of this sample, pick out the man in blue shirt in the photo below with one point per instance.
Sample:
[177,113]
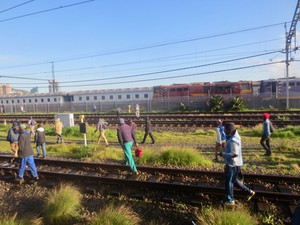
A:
[266,134]
[234,161]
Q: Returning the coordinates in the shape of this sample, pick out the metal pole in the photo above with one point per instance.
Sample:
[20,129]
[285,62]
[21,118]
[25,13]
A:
[53,78]
[287,70]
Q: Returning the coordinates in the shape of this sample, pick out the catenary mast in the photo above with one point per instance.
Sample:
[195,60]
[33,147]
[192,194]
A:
[289,36]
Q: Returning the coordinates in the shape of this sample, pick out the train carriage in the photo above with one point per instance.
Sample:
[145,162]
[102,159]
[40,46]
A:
[204,89]
[277,88]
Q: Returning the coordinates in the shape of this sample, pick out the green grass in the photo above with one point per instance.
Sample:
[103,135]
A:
[11,220]
[117,215]
[61,206]
[175,156]
[237,215]
[181,148]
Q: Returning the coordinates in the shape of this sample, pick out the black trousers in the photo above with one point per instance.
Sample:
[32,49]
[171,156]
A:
[151,136]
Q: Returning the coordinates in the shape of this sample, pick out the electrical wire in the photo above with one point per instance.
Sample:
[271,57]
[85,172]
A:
[16,6]
[154,46]
[172,77]
[46,10]
[164,71]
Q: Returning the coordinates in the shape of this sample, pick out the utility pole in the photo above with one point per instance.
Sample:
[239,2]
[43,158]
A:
[289,36]
[53,78]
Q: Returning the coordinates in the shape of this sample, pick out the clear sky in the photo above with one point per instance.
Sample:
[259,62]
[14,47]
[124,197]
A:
[104,44]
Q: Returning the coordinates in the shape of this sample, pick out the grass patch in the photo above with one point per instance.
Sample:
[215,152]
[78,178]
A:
[117,215]
[224,216]
[62,205]
[11,220]
[175,156]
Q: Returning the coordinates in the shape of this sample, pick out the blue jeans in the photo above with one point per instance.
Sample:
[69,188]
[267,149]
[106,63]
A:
[43,145]
[30,161]
[128,155]
[231,180]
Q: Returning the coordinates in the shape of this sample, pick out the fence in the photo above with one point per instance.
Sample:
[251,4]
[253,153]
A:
[162,104]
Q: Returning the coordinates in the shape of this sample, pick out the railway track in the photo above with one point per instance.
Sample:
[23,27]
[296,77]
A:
[247,119]
[189,183]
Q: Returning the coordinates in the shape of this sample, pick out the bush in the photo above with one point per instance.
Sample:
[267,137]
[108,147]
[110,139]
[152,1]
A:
[120,215]
[224,216]
[177,157]
[61,206]
[81,151]
[6,220]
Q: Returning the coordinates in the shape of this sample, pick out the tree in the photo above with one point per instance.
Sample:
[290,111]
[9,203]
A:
[238,104]
[215,103]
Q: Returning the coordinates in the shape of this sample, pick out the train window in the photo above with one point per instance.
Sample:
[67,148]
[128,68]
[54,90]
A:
[80,98]
[35,100]
[1,102]
[172,90]
[55,99]
[18,101]
[12,101]
[137,96]
[291,84]
[103,97]
[87,98]
[42,100]
[128,96]
[298,84]
[146,96]
[206,89]
[185,89]
[48,100]
[24,100]
[29,100]
[245,86]
[7,101]
[119,96]
[111,97]
[95,97]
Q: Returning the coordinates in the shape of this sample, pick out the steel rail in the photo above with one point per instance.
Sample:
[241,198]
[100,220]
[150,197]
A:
[156,170]
[169,187]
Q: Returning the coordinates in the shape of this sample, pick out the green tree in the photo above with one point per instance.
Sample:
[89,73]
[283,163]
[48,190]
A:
[238,104]
[216,103]
[182,107]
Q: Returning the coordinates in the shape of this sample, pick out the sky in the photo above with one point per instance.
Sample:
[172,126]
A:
[110,44]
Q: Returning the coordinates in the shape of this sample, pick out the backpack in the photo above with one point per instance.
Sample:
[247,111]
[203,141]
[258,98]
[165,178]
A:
[32,122]
[271,128]
[138,152]
[8,138]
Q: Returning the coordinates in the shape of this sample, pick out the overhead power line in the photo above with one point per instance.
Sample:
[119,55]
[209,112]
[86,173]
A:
[173,70]
[177,76]
[24,78]
[47,10]
[163,71]
[171,77]
[155,46]
[16,6]
[167,44]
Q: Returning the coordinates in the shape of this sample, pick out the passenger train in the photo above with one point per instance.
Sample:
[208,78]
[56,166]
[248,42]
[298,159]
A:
[267,88]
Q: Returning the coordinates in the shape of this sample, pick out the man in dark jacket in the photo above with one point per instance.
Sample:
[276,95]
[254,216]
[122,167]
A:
[12,137]
[148,130]
[126,137]
[26,154]
[40,140]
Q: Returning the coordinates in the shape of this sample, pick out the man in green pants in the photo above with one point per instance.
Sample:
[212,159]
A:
[126,137]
